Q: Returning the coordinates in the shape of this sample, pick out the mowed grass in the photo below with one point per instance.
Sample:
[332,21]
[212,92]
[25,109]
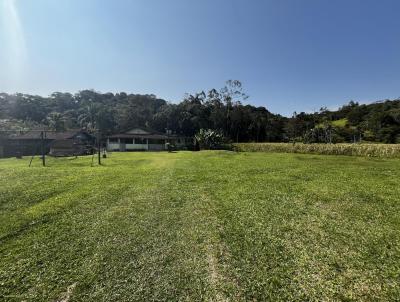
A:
[201,226]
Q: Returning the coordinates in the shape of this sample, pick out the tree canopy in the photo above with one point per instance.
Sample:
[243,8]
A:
[223,110]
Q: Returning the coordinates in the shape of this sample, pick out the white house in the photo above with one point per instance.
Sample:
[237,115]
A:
[139,139]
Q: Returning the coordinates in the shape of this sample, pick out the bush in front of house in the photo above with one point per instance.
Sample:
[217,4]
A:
[209,139]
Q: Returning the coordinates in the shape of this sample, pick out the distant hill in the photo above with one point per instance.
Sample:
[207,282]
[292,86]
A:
[222,109]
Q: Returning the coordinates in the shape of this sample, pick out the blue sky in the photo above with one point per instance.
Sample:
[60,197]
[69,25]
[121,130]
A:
[291,55]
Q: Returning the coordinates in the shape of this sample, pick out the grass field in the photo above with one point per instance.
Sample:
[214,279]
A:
[214,226]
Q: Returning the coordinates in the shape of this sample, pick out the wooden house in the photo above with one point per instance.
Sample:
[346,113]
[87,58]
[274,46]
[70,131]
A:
[139,139]
[71,142]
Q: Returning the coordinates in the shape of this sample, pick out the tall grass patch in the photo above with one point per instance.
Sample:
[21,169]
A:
[369,150]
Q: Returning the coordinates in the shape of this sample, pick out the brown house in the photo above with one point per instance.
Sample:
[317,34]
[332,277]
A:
[70,147]
[66,143]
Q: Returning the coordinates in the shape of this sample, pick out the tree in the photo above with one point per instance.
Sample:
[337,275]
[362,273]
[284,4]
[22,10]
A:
[216,109]
[55,120]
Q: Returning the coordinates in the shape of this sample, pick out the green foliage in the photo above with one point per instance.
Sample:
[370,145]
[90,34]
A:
[340,123]
[222,109]
[376,122]
[55,120]
[209,139]
[11,127]
[200,226]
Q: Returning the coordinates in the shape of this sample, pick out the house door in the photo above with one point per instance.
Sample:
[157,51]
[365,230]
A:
[122,147]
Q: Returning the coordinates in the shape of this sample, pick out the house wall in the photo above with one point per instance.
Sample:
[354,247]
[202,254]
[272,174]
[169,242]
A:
[125,147]
[151,143]
[33,146]
[25,147]
[115,146]
[133,147]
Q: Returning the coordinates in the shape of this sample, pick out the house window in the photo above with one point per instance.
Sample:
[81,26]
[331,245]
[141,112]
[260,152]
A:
[113,140]
[140,141]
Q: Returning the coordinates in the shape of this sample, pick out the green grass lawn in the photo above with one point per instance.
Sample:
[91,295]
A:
[200,226]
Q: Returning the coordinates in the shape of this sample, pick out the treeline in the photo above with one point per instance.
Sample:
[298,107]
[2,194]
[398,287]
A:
[223,110]
[376,122]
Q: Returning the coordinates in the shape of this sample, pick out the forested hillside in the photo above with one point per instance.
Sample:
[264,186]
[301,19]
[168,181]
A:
[224,109]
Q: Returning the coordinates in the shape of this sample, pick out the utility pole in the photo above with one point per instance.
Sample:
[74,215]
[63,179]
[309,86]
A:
[99,147]
[42,134]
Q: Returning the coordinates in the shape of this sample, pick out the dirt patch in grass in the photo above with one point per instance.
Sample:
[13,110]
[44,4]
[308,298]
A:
[65,297]
[215,277]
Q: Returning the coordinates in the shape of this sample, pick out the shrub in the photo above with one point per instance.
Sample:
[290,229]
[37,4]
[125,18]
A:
[210,139]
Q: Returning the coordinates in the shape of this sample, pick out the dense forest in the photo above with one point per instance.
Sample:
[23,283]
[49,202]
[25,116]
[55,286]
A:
[222,109]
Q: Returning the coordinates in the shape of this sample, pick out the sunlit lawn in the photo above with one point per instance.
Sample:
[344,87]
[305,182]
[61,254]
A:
[200,226]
